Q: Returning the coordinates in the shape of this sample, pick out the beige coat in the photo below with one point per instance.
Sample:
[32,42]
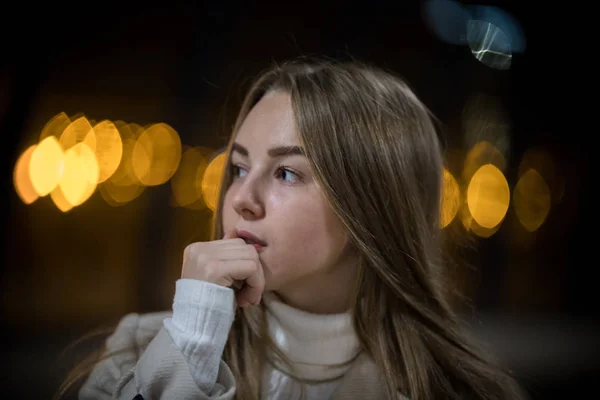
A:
[147,362]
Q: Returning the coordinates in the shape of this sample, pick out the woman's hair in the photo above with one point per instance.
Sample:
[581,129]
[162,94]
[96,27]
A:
[376,155]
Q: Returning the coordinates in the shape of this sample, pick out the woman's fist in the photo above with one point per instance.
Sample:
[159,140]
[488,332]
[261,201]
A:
[227,262]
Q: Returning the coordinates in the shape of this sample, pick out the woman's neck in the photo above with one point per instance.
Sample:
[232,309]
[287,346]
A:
[325,293]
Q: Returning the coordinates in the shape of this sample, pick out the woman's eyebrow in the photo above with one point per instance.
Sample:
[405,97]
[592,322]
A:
[278,151]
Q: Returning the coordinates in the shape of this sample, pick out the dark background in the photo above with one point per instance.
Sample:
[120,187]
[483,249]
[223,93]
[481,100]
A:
[187,64]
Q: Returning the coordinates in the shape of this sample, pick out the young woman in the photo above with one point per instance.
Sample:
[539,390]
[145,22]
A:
[325,278]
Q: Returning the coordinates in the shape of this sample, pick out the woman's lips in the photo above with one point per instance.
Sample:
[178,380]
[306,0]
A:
[257,246]
[251,239]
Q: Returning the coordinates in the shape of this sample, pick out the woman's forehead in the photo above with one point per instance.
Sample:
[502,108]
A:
[269,124]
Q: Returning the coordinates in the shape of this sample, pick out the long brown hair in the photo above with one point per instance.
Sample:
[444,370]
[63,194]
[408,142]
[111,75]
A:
[376,154]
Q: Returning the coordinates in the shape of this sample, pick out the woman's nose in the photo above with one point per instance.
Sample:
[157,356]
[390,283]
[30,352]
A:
[247,201]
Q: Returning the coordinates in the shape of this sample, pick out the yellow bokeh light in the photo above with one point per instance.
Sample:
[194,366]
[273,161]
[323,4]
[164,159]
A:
[118,195]
[531,200]
[59,200]
[124,174]
[78,131]
[488,196]
[183,183]
[56,126]
[156,154]
[46,166]
[481,154]
[450,198]
[211,180]
[542,162]
[109,148]
[80,175]
[472,226]
[129,130]
[21,179]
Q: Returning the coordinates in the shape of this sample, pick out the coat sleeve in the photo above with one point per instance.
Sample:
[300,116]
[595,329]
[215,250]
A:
[159,356]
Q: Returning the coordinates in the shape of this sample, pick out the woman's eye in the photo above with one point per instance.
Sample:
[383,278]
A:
[282,173]
[238,172]
[287,175]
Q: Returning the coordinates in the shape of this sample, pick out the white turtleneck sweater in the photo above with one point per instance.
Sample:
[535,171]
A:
[314,344]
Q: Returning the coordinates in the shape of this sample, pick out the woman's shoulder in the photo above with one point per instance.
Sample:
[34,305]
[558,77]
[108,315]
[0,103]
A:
[136,330]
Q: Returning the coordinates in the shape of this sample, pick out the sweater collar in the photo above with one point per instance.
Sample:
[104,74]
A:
[319,346]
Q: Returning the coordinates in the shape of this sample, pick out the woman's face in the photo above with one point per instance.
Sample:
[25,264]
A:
[275,197]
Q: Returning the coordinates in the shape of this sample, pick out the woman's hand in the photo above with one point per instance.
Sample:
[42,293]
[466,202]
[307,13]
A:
[227,262]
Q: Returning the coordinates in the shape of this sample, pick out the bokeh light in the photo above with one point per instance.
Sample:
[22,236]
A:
[492,34]
[488,196]
[21,179]
[46,166]
[211,180]
[531,200]
[450,198]
[156,154]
